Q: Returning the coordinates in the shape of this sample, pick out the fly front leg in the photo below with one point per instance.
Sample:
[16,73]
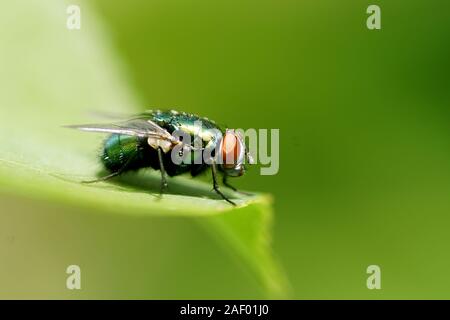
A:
[163,172]
[216,185]
[225,183]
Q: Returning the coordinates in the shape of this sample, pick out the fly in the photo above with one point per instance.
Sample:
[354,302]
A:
[148,139]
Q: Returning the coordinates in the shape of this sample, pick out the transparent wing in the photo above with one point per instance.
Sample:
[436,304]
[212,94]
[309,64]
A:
[137,127]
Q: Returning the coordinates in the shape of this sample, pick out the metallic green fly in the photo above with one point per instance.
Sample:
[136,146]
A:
[149,139]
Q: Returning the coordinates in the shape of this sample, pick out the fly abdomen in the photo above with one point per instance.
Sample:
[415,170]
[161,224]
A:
[124,153]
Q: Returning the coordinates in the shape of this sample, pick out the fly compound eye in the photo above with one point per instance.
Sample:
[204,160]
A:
[231,149]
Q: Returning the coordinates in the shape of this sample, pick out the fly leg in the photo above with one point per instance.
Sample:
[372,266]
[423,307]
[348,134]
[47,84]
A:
[163,172]
[105,178]
[112,175]
[226,184]
[216,185]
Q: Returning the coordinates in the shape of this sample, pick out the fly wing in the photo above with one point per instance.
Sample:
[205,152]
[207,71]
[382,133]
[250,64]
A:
[139,127]
[149,126]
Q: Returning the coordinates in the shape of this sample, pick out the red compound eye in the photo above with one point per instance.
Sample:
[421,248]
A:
[230,149]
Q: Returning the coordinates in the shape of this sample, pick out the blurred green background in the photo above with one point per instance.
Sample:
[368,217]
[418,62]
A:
[365,151]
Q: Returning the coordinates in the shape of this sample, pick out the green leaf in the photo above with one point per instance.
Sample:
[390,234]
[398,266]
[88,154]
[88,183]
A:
[63,75]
